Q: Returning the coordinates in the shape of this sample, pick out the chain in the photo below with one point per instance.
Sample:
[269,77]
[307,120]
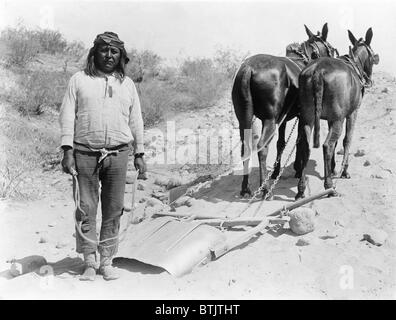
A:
[263,185]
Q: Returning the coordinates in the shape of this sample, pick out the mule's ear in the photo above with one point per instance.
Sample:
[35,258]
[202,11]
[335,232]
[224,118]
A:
[309,33]
[325,30]
[351,53]
[352,38]
[376,59]
[369,36]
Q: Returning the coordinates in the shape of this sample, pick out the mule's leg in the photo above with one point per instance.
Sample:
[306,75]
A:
[349,128]
[302,157]
[299,150]
[246,153]
[269,127]
[333,162]
[280,145]
[335,130]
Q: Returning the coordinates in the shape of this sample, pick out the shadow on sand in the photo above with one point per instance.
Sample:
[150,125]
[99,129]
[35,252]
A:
[39,265]
[227,188]
[75,266]
[136,266]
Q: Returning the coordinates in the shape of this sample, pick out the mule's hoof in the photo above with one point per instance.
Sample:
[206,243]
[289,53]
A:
[246,193]
[299,195]
[345,175]
[274,175]
[267,197]
[334,173]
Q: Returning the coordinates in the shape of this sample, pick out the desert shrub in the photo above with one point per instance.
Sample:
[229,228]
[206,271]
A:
[168,73]
[157,98]
[50,41]
[28,144]
[202,81]
[41,89]
[75,49]
[21,46]
[143,65]
[228,61]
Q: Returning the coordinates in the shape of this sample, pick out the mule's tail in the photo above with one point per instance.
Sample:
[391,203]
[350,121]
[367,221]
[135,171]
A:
[243,105]
[317,86]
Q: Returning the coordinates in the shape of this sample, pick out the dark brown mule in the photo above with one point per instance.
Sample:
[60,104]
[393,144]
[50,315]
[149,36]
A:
[332,89]
[266,86]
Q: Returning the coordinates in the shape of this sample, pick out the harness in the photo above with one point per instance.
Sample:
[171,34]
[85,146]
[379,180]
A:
[364,79]
[330,49]
[294,62]
[302,50]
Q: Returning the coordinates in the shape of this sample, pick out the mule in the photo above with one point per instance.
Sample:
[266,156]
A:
[266,87]
[332,89]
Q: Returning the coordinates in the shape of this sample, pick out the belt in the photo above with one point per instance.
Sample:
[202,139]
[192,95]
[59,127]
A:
[103,151]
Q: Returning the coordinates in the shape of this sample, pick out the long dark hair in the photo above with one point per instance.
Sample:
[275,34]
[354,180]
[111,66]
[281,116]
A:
[91,70]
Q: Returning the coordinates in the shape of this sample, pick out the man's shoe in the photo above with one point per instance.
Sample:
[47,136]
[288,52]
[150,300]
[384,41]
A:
[108,272]
[89,274]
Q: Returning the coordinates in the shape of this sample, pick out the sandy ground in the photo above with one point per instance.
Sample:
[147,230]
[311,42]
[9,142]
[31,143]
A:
[334,263]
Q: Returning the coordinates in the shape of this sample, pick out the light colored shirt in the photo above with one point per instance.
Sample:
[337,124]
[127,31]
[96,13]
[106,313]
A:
[101,112]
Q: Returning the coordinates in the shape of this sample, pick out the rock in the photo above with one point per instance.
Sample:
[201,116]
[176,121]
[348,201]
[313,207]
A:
[173,183]
[183,201]
[138,215]
[130,179]
[43,239]
[160,195]
[366,163]
[142,200]
[150,211]
[140,186]
[360,153]
[169,183]
[341,151]
[152,202]
[302,242]
[52,224]
[385,90]
[376,176]
[142,176]
[190,202]
[61,244]
[375,236]
[302,220]
[329,235]
[161,181]
[340,222]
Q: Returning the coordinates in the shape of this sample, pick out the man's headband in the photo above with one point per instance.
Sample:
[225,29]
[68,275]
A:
[111,38]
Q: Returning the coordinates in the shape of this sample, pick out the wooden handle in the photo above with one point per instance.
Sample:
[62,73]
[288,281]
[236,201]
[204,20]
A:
[224,248]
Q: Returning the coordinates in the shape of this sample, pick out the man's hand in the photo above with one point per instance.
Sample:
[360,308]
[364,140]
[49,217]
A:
[141,166]
[68,164]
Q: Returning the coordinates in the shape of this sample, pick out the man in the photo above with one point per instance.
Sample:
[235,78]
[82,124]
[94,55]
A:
[100,120]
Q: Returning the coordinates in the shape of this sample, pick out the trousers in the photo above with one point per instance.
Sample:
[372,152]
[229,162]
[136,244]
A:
[105,181]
